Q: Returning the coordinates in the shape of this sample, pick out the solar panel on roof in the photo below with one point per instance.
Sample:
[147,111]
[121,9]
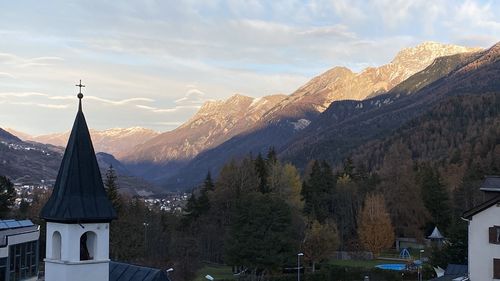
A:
[26,223]
[10,224]
[13,224]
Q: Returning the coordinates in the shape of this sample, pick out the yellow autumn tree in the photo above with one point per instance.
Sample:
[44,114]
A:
[375,229]
[320,242]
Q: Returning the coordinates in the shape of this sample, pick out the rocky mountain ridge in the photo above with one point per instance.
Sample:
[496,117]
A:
[295,113]
[116,141]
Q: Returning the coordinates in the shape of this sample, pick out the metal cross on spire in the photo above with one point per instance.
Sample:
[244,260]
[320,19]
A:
[80,95]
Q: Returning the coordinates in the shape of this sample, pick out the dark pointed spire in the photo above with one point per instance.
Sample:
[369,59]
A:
[79,195]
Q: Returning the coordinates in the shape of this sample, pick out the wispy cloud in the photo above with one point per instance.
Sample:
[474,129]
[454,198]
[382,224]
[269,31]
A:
[5,74]
[54,106]
[119,102]
[22,94]
[193,96]
[168,110]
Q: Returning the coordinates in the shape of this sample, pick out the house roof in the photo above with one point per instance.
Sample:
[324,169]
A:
[491,184]
[481,207]
[436,234]
[129,272]
[453,271]
[79,195]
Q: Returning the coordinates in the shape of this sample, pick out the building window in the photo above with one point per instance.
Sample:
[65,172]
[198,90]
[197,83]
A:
[496,268]
[88,246]
[23,261]
[3,269]
[494,234]
[56,245]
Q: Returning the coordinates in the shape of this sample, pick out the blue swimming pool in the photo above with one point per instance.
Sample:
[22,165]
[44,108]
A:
[391,266]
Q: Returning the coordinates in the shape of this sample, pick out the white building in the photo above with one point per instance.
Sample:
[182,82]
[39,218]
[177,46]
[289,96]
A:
[18,250]
[484,234]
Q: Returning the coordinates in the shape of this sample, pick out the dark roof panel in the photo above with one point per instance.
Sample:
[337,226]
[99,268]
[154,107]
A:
[79,195]
[481,207]
[12,224]
[491,183]
[128,272]
[456,269]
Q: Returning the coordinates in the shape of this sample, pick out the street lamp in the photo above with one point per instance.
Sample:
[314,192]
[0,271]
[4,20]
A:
[208,277]
[298,265]
[420,265]
[145,238]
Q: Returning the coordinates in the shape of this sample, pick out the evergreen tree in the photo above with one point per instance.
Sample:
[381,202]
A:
[456,248]
[317,192]
[191,210]
[434,196]
[7,196]
[271,156]
[262,172]
[259,234]
[112,188]
[208,184]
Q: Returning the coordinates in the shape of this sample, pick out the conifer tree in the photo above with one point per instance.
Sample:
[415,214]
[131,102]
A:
[434,196]
[317,192]
[112,188]
[203,202]
[7,196]
[208,184]
[262,173]
[271,156]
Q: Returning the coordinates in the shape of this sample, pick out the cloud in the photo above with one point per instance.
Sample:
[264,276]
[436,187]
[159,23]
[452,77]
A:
[22,94]
[170,124]
[23,62]
[168,110]
[53,106]
[119,102]
[5,74]
[192,97]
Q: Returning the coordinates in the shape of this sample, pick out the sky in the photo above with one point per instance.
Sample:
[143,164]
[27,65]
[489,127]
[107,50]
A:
[154,63]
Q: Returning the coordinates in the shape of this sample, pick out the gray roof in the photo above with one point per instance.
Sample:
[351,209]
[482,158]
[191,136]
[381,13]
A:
[79,195]
[13,224]
[436,234]
[128,272]
[491,183]
[452,271]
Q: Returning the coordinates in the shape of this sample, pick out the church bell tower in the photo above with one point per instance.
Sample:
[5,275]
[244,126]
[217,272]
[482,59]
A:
[78,213]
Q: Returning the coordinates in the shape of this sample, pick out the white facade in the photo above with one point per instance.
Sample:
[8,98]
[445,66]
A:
[481,251]
[14,237]
[63,263]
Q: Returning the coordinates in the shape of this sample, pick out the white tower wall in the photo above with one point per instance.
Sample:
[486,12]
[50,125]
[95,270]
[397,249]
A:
[69,267]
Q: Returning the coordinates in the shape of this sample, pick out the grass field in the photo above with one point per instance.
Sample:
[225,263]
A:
[217,272]
[224,272]
[358,263]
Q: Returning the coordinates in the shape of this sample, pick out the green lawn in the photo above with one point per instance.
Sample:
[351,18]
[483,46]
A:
[217,272]
[224,272]
[357,263]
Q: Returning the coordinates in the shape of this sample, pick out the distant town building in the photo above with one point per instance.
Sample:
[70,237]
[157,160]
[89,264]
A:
[484,234]
[18,250]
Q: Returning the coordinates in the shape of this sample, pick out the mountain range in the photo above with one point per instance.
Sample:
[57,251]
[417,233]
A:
[328,118]
[115,141]
[30,162]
